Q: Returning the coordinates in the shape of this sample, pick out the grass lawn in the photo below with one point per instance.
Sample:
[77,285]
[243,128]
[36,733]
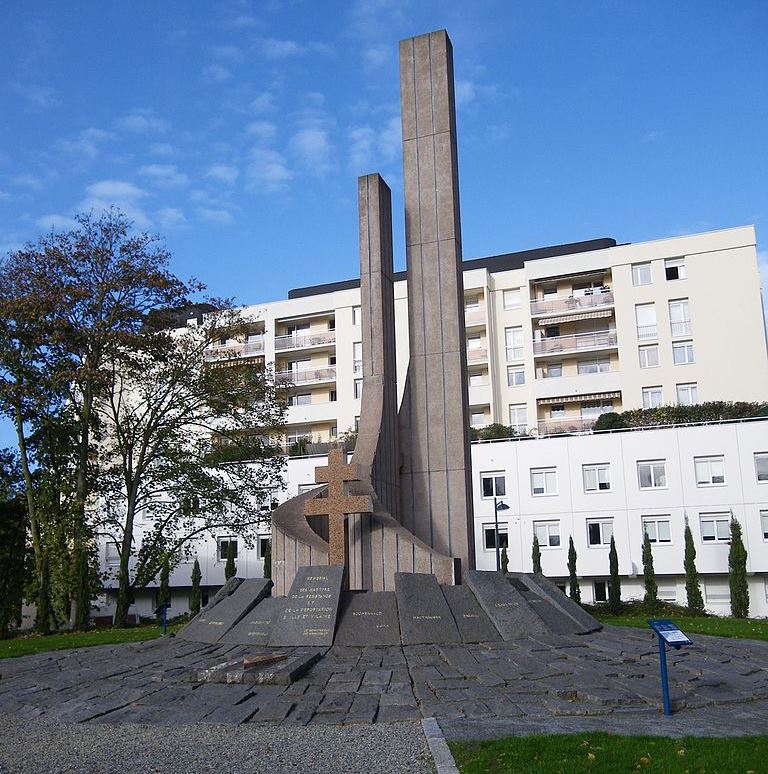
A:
[26,645]
[749,628]
[600,752]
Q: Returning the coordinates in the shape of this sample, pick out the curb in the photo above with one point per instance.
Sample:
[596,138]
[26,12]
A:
[441,753]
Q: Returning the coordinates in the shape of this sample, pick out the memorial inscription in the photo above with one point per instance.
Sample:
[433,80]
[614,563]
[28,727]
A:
[368,619]
[424,614]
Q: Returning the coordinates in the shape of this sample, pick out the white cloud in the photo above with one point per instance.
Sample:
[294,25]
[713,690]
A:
[215,74]
[125,196]
[165,175]
[4,196]
[264,131]
[262,103]
[86,143]
[56,222]
[267,170]
[41,97]
[230,53]
[220,217]
[376,56]
[27,180]
[466,92]
[222,173]
[370,148]
[142,122]
[272,48]
[161,149]
[244,21]
[171,217]
[312,146]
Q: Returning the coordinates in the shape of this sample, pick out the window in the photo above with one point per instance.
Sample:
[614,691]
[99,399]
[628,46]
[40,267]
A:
[764,524]
[652,474]
[493,484]
[550,291]
[761,466]
[553,370]
[489,537]
[674,268]
[715,527]
[653,397]
[512,298]
[357,357]
[547,533]
[112,555]
[597,366]
[473,342]
[682,352]
[333,431]
[657,528]
[551,331]
[594,409]
[295,366]
[190,505]
[679,317]
[357,315]
[331,360]
[667,592]
[687,394]
[292,330]
[515,376]
[332,324]
[297,434]
[641,273]
[543,481]
[518,417]
[600,590]
[358,388]
[710,471]
[332,396]
[645,317]
[477,418]
[224,544]
[472,304]
[357,424]
[264,541]
[514,342]
[557,411]
[597,478]
[300,399]
[649,355]
[477,380]
[717,591]
[581,289]
[599,532]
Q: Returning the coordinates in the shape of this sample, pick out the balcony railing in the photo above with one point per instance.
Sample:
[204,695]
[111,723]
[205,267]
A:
[681,328]
[304,447]
[477,354]
[572,304]
[577,342]
[304,340]
[566,425]
[307,376]
[474,315]
[647,332]
[514,354]
[237,349]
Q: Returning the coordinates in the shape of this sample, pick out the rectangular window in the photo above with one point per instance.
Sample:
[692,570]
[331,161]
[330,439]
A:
[710,471]
[357,424]
[547,533]
[674,268]
[543,481]
[264,541]
[518,417]
[679,317]
[358,388]
[112,555]
[357,315]
[761,466]
[474,342]
[717,592]
[682,352]
[477,418]
[552,370]
[764,524]
[333,431]
[599,532]
[332,396]
[477,380]
[300,399]
[224,544]
[653,397]
[493,484]
[597,366]
[512,298]
[514,343]
[557,411]
[515,376]
[652,474]
[667,592]
[597,478]
[657,528]
[357,357]
[594,409]
[489,537]
[298,433]
[550,291]
[471,304]
[649,355]
[600,590]
[641,274]
[645,318]
[715,527]
[687,394]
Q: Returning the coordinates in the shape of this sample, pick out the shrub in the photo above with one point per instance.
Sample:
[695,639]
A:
[713,411]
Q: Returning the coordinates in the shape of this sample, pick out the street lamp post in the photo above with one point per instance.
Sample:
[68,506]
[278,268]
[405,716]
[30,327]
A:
[499,505]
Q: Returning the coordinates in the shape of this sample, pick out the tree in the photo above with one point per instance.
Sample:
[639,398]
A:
[651,599]
[737,572]
[230,568]
[504,560]
[12,542]
[614,586]
[194,597]
[692,587]
[536,554]
[164,591]
[574,589]
[268,559]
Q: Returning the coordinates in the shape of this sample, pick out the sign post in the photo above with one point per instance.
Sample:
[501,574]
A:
[668,634]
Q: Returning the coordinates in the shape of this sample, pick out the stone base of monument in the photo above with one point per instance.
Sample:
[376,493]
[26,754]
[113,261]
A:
[266,668]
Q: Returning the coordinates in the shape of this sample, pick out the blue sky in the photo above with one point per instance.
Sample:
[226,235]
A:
[237,129]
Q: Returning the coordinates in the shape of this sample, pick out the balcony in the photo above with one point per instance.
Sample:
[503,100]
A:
[474,316]
[238,349]
[477,355]
[579,384]
[560,305]
[576,342]
[307,413]
[306,376]
[305,340]
[681,327]
[647,332]
[479,394]
[566,425]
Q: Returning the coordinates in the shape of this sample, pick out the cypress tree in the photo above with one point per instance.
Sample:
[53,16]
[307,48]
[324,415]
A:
[43,618]
[230,569]
[194,597]
[504,560]
[536,555]
[737,573]
[164,592]
[574,590]
[81,595]
[614,587]
[651,600]
[692,587]
[268,559]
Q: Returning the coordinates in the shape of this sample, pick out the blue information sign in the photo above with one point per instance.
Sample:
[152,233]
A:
[668,634]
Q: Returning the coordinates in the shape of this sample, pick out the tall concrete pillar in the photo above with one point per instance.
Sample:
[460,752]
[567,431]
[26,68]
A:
[436,485]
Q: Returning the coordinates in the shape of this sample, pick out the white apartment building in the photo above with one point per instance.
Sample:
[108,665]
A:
[556,337]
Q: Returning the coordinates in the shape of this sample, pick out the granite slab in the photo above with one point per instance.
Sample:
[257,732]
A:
[368,618]
[424,614]
[471,620]
[256,627]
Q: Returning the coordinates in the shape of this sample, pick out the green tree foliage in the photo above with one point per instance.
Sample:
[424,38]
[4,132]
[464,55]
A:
[536,554]
[651,599]
[504,560]
[737,573]
[12,542]
[712,411]
[268,559]
[614,587]
[574,590]
[230,568]
[692,586]
[164,590]
[194,597]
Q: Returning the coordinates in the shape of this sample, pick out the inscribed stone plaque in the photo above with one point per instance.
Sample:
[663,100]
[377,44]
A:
[553,617]
[471,620]
[256,627]
[311,608]
[368,618]
[212,624]
[505,605]
[424,614]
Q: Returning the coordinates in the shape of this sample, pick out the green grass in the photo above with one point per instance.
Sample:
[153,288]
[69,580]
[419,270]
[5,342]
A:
[601,752]
[26,645]
[747,628]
